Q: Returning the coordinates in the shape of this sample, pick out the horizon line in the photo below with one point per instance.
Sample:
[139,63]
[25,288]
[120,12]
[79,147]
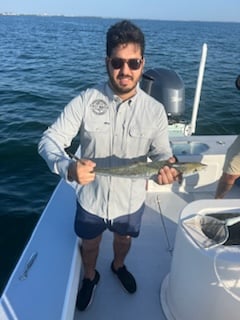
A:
[9,13]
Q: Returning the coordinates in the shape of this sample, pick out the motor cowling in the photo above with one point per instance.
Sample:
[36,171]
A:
[167,87]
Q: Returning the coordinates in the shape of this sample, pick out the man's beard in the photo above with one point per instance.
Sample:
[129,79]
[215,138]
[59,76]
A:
[121,89]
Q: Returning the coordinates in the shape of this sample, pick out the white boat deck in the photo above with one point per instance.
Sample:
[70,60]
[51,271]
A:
[149,260]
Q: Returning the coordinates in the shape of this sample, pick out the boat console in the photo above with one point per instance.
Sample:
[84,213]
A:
[202,275]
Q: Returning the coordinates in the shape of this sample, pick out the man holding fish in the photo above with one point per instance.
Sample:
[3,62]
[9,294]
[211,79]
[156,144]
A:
[118,125]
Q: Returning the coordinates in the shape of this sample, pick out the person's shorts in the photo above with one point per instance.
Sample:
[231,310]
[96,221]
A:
[89,226]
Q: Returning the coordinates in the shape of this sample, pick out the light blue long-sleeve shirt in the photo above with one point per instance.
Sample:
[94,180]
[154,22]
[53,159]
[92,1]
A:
[111,132]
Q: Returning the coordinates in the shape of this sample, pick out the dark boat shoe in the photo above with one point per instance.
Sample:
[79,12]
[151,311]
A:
[126,278]
[86,293]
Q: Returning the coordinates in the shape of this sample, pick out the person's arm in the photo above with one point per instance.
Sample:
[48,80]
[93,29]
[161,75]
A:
[161,150]
[231,169]
[225,185]
[59,136]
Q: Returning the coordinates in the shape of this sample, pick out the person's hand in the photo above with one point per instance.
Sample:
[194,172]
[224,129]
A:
[81,171]
[168,175]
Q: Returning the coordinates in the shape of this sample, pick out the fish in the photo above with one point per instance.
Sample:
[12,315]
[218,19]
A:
[146,170]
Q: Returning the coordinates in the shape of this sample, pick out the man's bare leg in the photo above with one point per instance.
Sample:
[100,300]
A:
[121,247]
[89,251]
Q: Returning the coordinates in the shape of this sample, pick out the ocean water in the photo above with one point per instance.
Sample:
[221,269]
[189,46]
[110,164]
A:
[46,61]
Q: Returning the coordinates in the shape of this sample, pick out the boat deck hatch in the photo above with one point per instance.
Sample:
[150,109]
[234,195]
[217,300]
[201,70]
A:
[189,148]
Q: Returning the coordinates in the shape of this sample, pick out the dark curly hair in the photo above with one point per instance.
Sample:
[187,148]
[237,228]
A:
[124,32]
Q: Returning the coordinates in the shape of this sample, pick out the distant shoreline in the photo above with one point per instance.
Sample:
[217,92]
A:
[47,15]
[13,14]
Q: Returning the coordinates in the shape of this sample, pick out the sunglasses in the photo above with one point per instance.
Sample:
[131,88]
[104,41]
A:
[118,63]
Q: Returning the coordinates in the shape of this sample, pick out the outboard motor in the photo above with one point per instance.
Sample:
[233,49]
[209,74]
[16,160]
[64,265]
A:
[167,87]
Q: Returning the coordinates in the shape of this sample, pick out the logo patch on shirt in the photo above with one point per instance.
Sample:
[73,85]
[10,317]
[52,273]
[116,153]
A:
[99,107]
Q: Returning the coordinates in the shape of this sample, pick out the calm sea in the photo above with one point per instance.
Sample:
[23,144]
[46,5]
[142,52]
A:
[46,61]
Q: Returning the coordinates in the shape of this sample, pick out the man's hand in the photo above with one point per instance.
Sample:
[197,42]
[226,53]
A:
[168,175]
[81,171]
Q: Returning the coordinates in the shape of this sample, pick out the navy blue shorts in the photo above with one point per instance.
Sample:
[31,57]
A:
[89,226]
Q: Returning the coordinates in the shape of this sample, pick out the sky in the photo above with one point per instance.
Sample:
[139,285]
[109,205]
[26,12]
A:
[202,10]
